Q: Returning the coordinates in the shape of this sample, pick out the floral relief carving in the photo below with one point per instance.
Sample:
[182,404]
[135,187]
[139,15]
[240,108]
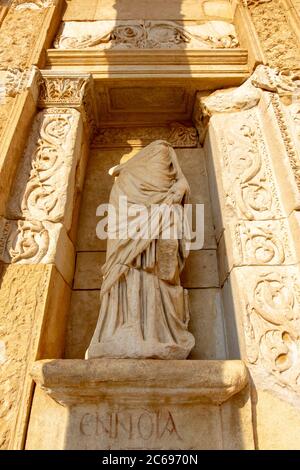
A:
[250,187]
[34,242]
[30,241]
[263,243]
[43,187]
[62,89]
[183,136]
[24,241]
[272,79]
[177,134]
[33,4]
[71,91]
[15,80]
[272,327]
[145,35]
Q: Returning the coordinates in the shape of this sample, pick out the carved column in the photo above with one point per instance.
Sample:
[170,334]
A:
[252,148]
[36,23]
[36,242]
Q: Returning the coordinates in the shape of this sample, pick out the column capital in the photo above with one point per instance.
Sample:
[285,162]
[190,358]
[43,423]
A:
[72,90]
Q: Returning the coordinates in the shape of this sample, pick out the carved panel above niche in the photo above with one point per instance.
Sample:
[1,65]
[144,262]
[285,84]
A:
[143,104]
[177,134]
[143,34]
[149,99]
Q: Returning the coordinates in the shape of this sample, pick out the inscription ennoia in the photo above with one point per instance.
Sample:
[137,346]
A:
[142,424]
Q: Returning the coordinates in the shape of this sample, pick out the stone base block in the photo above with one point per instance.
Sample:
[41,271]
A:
[140,404]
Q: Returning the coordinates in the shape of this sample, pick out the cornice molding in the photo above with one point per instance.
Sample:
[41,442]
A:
[245,97]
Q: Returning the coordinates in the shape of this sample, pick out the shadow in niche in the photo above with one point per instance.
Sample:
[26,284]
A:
[144,91]
[146,27]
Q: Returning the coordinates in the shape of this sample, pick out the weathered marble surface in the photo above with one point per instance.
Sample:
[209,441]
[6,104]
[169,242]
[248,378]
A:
[33,307]
[127,10]
[34,242]
[145,35]
[145,410]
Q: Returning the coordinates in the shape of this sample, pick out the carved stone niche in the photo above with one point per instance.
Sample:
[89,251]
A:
[140,404]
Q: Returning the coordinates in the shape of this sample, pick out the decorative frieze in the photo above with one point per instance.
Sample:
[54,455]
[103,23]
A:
[145,35]
[33,4]
[177,134]
[45,182]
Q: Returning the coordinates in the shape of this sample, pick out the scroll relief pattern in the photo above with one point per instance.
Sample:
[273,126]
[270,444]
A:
[29,241]
[41,203]
[263,243]
[250,189]
[41,188]
[261,237]
[272,327]
[145,35]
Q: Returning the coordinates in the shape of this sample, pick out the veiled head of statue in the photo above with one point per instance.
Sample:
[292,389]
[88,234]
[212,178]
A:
[148,176]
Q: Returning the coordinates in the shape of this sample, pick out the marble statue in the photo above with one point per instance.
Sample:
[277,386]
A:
[144,310]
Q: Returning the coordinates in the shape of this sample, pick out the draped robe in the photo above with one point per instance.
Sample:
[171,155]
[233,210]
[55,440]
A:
[144,310]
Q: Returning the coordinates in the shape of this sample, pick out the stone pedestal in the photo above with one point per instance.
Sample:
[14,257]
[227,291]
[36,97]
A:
[140,404]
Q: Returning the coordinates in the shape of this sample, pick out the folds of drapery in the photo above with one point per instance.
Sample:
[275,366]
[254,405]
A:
[146,181]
